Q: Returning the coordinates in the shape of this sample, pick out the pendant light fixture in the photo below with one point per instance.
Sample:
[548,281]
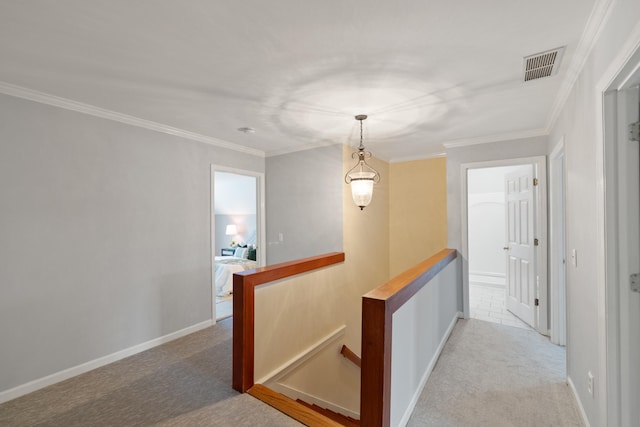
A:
[362,176]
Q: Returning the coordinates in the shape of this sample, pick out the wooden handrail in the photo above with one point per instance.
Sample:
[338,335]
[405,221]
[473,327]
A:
[295,410]
[378,307]
[350,355]
[244,284]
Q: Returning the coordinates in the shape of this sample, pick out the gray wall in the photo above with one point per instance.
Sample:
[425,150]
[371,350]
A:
[104,236]
[418,328]
[304,203]
[577,124]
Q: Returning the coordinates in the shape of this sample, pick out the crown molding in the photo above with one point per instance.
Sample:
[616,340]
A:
[532,133]
[92,110]
[590,35]
[300,148]
[418,157]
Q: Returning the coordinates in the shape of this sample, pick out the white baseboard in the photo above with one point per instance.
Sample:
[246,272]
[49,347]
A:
[297,394]
[488,278]
[65,374]
[583,414]
[423,381]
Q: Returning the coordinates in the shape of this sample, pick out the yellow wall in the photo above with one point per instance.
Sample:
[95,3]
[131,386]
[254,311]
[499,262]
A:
[417,212]
[404,224]
[295,313]
[366,240]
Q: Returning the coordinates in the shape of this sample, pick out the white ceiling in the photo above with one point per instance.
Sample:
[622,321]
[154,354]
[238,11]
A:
[426,72]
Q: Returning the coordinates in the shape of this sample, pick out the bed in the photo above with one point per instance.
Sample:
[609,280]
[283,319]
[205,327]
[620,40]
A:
[225,266]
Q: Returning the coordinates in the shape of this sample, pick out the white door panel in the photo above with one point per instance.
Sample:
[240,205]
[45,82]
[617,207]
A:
[520,250]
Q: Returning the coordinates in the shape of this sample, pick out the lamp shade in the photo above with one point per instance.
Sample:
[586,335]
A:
[362,188]
[232,230]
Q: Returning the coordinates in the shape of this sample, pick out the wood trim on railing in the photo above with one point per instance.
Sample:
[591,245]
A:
[350,355]
[295,410]
[243,309]
[378,307]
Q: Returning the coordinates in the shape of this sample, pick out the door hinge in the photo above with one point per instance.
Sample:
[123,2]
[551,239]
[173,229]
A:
[536,242]
[634,280]
[634,131]
[535,181]
[537,302]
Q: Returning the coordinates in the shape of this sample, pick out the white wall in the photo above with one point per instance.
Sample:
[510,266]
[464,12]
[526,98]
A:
[486,216]
[105,237]
[235,204]
[235,194]
[577,123]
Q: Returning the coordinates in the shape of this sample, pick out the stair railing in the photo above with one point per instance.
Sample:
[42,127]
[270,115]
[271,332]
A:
[350,355]
[244,283]
[378,307]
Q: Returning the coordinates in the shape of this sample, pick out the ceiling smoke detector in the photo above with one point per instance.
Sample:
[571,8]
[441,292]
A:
[544,64]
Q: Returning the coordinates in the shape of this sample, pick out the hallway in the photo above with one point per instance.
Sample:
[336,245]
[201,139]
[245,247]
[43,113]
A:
[493,375]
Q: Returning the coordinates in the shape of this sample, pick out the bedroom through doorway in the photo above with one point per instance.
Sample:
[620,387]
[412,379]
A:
[235,233]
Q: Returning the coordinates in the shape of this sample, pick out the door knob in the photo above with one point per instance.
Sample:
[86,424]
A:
[506,248]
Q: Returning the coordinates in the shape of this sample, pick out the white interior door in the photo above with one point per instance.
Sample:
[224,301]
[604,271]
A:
[520,250]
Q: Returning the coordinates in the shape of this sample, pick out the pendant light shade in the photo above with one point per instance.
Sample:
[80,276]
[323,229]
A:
[361,177]
[362,188]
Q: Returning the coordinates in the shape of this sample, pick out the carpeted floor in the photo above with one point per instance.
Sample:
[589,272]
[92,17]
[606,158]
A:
[488,375]
[494,375]
[186,382]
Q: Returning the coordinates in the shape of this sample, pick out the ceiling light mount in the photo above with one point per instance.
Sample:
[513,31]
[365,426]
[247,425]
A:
[361,177]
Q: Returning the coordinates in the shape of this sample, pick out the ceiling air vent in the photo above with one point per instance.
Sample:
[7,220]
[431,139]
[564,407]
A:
[543,64]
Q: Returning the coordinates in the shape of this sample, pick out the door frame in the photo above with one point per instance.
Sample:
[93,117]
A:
[557,239]
[540,171]
[260,223]
[620,70]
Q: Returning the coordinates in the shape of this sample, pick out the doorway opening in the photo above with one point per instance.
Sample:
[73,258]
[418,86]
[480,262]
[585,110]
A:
[509,255]
[237,228]
[488,234]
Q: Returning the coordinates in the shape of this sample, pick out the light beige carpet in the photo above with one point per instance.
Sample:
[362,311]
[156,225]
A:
[488,375]
[494,375]
[186,382]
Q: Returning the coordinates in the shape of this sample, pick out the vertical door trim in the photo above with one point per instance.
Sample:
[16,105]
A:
[557,236]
